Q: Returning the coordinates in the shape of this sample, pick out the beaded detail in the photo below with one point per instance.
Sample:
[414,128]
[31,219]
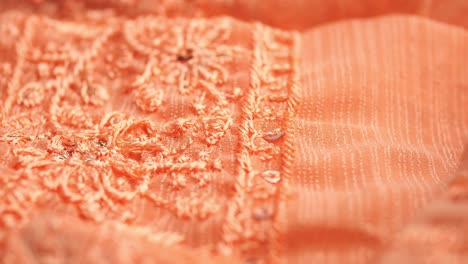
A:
[106,116]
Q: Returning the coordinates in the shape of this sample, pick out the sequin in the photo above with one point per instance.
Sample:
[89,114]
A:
[186,56]
[273,135]
[271,176]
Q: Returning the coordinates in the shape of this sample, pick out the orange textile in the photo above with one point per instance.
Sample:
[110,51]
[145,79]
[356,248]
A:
[233,131]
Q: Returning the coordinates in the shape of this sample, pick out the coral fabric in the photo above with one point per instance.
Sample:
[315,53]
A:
[379,132]
[442,227]
[294,15]
[233,131]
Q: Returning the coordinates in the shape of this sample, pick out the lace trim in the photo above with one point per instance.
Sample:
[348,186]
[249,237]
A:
[61,135]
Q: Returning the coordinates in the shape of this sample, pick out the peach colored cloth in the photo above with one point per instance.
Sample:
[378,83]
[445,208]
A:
[233,131]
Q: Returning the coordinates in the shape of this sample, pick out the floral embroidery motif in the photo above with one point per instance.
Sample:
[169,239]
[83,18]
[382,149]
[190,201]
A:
[103,163]
[193,55]
[108,117]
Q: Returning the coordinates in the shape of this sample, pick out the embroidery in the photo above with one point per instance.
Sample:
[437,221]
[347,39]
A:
[106,117]
[270,102]
[103,163]
[191,55]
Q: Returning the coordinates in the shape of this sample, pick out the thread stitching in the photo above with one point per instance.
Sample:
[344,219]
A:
[62,141]
[258,205]
[104,164]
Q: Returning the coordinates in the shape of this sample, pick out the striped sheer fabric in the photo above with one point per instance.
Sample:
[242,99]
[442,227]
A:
[380,132]
[236,131]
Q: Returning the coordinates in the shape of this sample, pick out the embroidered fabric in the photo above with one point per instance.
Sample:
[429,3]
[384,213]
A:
[155,131]
[107,117]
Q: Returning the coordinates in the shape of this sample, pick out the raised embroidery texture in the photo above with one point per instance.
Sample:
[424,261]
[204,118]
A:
[100,162]
[264,155]
[111,116]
